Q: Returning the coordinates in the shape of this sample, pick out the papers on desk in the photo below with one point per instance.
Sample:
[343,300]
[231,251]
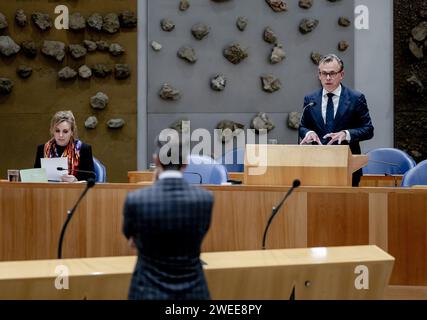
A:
[33,175]
[51,165]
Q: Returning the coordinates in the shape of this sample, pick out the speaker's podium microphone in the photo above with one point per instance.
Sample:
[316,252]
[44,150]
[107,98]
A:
[90,184]
[308,105]
[295,184]
[79,171]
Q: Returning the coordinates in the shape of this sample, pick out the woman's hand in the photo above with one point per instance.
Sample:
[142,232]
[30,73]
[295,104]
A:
[68,178]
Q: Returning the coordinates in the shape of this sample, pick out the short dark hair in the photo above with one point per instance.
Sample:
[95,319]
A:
[331,57]
[171,149]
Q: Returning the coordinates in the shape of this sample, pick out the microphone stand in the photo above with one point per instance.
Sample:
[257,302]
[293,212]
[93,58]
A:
[90,184]
[274,210]
[310,104]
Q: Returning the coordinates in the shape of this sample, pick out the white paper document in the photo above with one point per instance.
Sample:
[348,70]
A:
[51,165]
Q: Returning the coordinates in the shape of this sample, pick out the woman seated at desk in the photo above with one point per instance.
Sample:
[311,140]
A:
[64,143]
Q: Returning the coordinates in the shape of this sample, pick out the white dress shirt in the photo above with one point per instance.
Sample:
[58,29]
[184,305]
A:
[170,174]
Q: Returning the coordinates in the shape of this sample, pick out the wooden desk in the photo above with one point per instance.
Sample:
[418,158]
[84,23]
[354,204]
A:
[266,274]
[31,216]
[370,180]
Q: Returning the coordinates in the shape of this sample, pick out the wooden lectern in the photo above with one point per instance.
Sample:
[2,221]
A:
[312,165]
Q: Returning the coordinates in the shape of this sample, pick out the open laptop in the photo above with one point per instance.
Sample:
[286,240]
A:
[33,175]
[51,165]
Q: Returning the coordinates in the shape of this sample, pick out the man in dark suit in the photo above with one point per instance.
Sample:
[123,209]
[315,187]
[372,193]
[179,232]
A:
[167,222]
[335,114]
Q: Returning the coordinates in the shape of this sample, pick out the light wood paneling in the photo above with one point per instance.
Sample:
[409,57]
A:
[378,216]
[337,219]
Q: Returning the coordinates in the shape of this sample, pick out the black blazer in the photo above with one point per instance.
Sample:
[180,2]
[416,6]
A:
[168,222]
[86,160]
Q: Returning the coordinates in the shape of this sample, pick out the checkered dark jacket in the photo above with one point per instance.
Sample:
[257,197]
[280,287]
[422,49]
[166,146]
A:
[168,222]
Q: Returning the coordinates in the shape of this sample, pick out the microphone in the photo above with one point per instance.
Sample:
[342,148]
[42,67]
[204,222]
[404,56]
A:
[308,105]
[79,171]
[90,184]
[195,173]
[295,184]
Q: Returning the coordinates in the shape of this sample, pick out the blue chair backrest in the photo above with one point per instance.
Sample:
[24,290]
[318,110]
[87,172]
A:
[416,176]
[388,161]
[100,171]
[233,160]
[205,170]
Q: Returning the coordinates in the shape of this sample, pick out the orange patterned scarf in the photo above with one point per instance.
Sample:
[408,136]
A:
[71,151]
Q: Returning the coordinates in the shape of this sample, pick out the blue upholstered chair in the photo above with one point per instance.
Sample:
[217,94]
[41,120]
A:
[205,170]
[233,160]
[416,176]
[100,171]
[388,161]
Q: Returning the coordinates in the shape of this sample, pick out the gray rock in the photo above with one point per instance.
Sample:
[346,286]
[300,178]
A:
[95,21]
[77,51]
[417,50]
[277,54]
[307,25]
[91,122]
[188,54]
[8,47]
[77,22]
[85,72]
[178,126]
[42,20]
[199,31]
[156,46]
[3,22]
[344,21]
[128,19]
[294,120]
[230,129]
[169,93]
[167,25]
[116,123]
[316,57]
[121,71]
[262,121]
[111,23]
[20,18]
[270,83]
[67,73]
[415,83]
[24,71]
[90,45]
[99,101]
[305,4]
[29,48]
[343,45]
[235,53]
[419,33]
[184,5]
[242,23]
[102,45]
[269,36]
[6,86]
[54,49]
[101,70]
[416,154]
[218,82]
[116,49]
[277,5]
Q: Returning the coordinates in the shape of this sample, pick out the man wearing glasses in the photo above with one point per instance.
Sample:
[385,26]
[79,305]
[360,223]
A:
[335,114]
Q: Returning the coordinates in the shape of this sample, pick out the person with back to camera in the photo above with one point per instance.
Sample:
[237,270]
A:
[64,143]
[335,114]
[167,222]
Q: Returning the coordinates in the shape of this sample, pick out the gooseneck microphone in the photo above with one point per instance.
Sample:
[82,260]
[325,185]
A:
[295,184]
[308,105]
[90,184]
[79,171]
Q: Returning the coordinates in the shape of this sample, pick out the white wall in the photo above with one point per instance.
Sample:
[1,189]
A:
[373,64]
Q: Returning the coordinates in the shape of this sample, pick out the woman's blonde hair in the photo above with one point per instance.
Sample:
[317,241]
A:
[62,116]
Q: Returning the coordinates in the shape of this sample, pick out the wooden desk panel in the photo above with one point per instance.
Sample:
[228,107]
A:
[31,216]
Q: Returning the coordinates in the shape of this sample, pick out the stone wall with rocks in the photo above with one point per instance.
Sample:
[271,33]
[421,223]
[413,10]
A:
[410,77]
[38,92]
[230,60]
